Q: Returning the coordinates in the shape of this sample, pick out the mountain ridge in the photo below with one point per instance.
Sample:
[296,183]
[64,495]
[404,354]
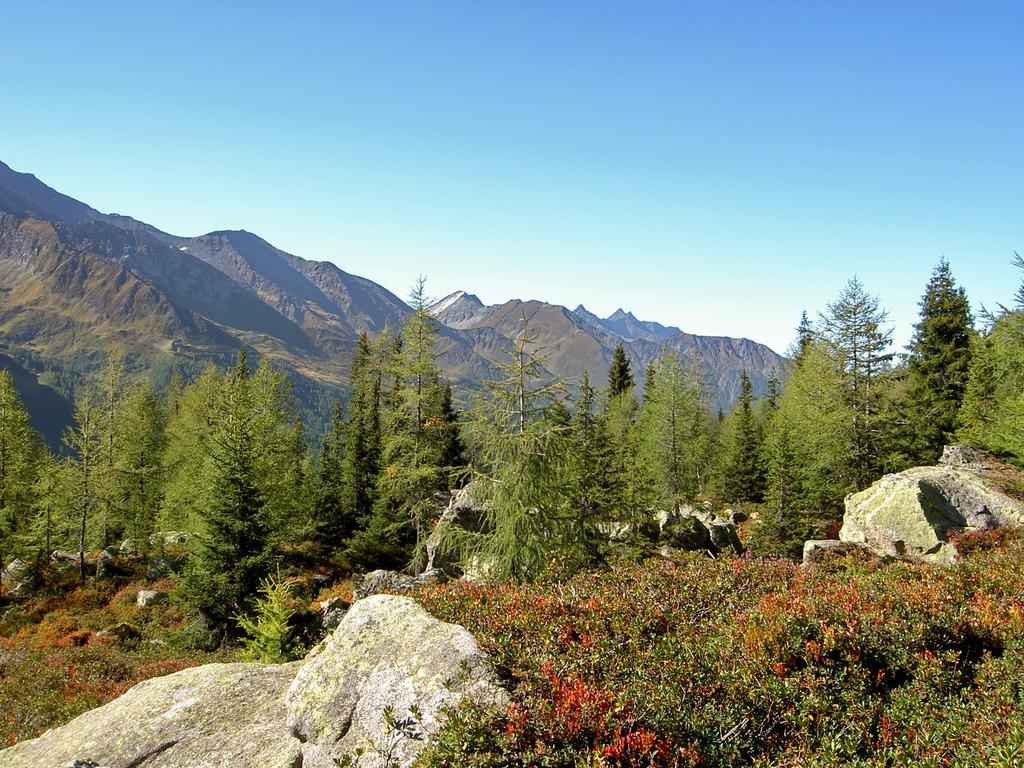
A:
[75,283]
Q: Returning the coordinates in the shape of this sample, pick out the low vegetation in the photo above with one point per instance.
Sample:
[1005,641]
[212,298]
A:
[751,662]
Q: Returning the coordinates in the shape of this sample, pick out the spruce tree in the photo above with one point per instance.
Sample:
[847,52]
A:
[412,449]
[620,376]
[235,548]
[363,430]
[938,363]
[334,522]
[744,479]
[591,482]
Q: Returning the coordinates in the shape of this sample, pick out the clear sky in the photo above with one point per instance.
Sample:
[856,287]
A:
[717,166]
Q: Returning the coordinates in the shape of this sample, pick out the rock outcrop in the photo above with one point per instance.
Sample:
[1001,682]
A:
[698,530]
[387,655]
[465,512]
[910,514]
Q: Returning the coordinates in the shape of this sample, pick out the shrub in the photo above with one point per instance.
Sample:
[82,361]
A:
[749,662]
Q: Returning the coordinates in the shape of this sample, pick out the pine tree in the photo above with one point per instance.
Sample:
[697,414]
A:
[620,376]
[21,452]
[938,364]
[363,429]
[744,480]
[854,327]
[235,549]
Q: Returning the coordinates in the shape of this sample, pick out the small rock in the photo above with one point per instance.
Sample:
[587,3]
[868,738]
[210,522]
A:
[130,547]
[817,550]
[162,565]
[106,563]
[148,597]
[16,579]
[962,456]
[331,613]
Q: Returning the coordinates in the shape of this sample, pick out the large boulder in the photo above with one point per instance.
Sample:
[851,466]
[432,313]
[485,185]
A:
[387,654]
[911,514]
[206,717]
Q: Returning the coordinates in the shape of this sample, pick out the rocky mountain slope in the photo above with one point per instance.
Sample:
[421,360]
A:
[75,283]
[578,340]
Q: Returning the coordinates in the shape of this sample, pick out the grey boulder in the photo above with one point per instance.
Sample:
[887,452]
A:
[911,514]
[211,716]
[388,654]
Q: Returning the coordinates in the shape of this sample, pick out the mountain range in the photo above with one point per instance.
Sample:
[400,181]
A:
[76,283]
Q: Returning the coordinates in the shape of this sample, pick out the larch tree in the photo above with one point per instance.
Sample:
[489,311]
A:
[84,441]
[674,430]
[521,452]
[854,326]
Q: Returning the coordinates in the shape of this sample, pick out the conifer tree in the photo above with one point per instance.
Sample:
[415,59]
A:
[620,376]
[363,429]
[805,452]
[938,364]
[186,466]
[412,448]
[110,401]
[20,455]
[591,482]
[235,548]
[138,483]
[674,431]
[519,467]
[744,479]
[333,519]
[85,442]
[854,326]
[804,337]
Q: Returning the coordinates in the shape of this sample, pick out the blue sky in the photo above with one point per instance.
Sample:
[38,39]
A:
[715,166]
